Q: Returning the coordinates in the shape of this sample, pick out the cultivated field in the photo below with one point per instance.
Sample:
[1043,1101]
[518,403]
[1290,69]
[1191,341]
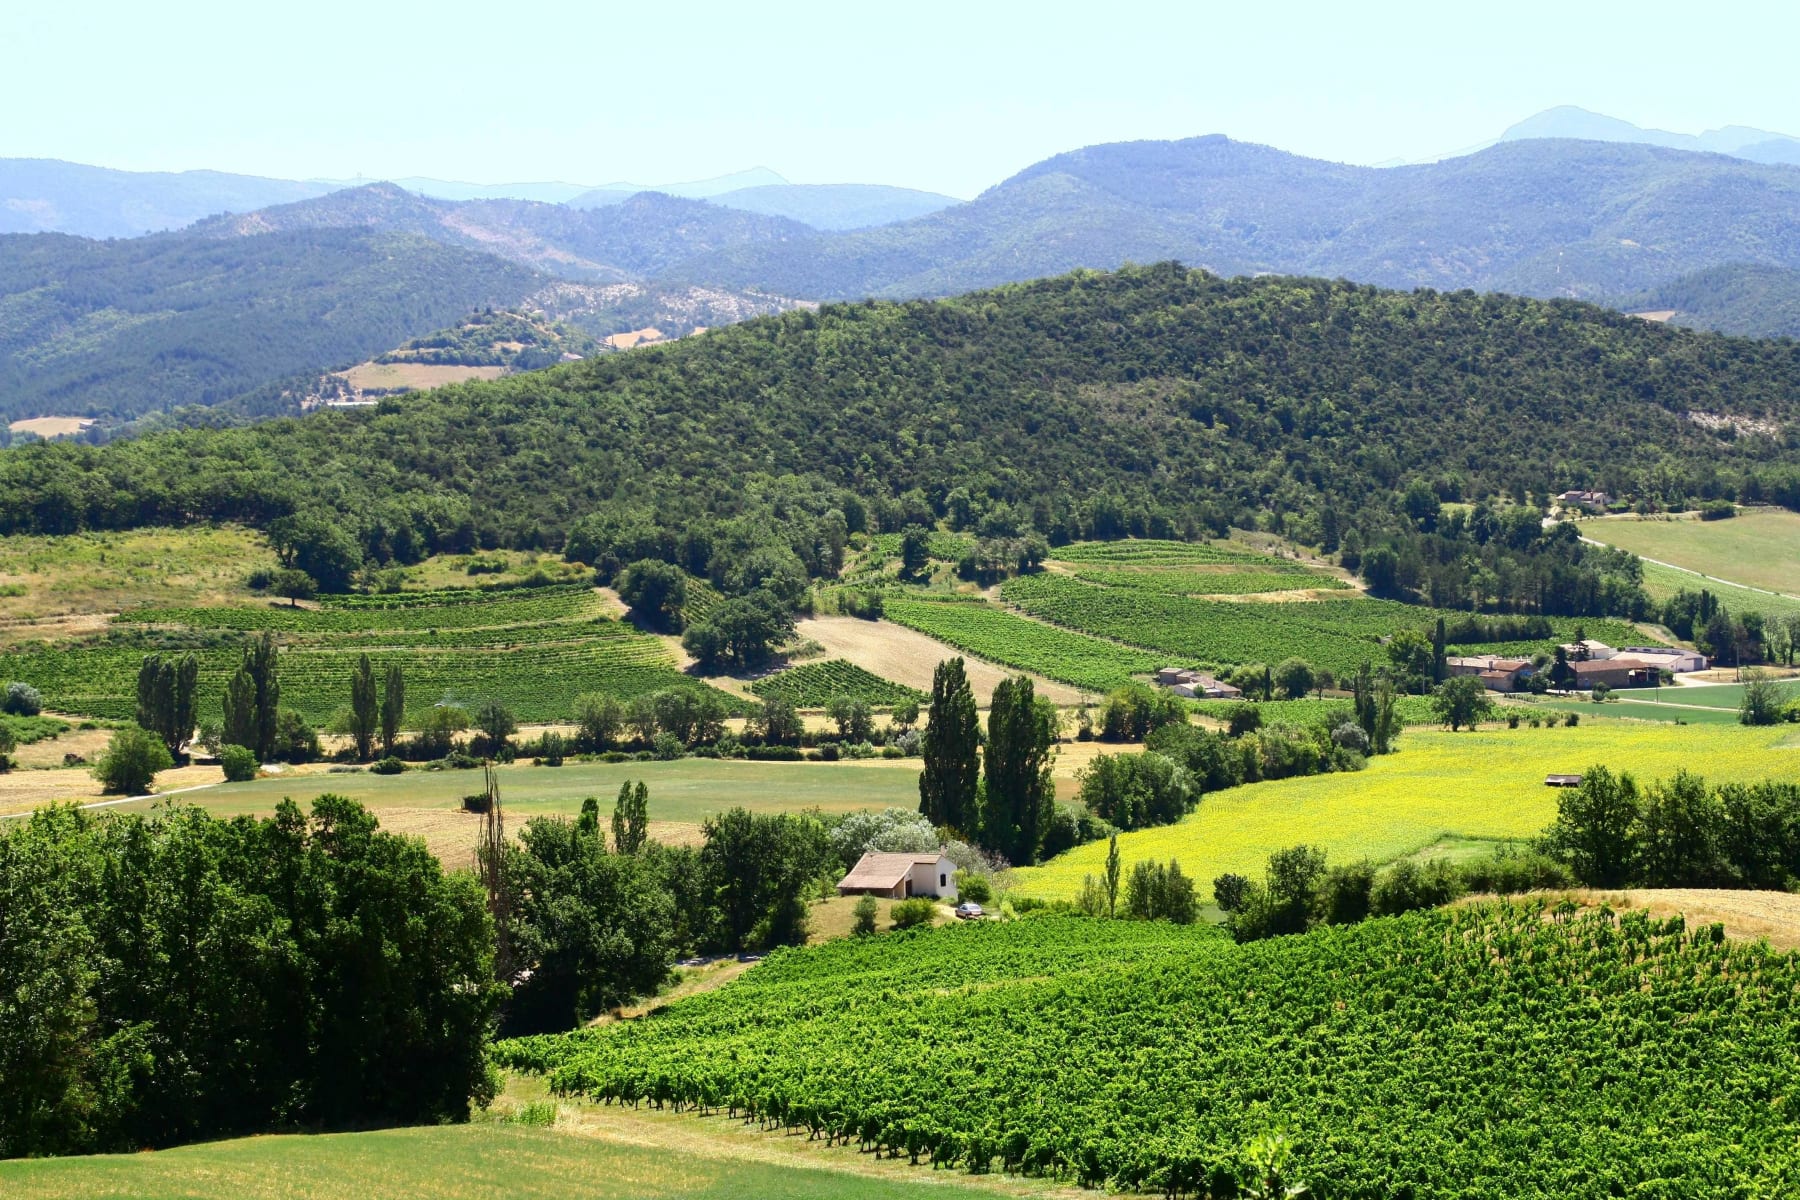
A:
[51,427]
[1487,784]
[1760,548]
[536,649]
[412,376]
[1663,582]
[908,656]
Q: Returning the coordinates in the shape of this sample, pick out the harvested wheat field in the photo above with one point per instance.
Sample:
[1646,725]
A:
[909,657]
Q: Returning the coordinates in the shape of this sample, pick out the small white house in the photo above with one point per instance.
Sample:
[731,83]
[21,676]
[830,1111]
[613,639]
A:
[898,876]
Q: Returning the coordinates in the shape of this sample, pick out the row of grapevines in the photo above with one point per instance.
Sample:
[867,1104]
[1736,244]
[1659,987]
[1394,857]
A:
[1483,1051]
[1011,640]
[814,685]
[1174,581]
[462,610]
[1153,552]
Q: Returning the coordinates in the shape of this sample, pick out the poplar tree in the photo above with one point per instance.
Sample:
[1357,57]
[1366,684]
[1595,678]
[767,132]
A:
[631,818]
[393,708]
[166,698]
[1021,732]
[364,708]
[950,747]
[252,699]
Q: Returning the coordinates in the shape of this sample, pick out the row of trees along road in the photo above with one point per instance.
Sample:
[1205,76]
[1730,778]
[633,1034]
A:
[1002,800]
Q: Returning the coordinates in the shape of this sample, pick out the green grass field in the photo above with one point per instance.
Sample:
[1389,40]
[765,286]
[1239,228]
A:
[686,790]
[1487,784]
[1759,548]
[480,1161]
[1663,582]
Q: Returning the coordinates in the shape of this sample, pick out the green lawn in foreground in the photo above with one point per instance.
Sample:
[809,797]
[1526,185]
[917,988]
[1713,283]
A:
[686,790]
[1484,785]
[453,1162]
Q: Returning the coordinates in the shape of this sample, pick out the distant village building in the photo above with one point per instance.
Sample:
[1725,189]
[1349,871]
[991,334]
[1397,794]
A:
[1497,674]
[1578,498]
[1196,684]
[898,876]
[1634,666]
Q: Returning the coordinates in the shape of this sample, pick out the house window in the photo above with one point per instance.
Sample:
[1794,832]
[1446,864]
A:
[943,880]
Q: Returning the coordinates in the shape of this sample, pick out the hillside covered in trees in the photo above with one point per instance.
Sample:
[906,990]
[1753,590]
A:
[1154,401]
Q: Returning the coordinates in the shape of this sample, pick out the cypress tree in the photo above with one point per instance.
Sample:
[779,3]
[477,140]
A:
[950,747]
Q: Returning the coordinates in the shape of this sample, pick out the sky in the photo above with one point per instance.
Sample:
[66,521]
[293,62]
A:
[950,97]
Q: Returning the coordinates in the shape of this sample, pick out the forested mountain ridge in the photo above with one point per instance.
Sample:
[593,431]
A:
[124,327]
[1588,220]
[1151,401]
[639,236]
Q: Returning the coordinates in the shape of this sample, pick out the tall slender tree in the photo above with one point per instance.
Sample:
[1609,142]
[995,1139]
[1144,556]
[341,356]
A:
[261,661]
[166,698]
[365,716]
[240,711]
[950,747]
[393,708]
[1019,799]
[631,818]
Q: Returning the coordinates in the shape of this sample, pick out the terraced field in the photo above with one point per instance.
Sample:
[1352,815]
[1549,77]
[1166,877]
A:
[537,650]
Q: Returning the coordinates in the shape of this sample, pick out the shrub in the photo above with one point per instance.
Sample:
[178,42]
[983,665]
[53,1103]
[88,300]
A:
[974,887]
[866,911]
[1406,886]
[22,700]
[918,910]
[478,803]
[666,747]
[131,762]
[387,766]
[239,763]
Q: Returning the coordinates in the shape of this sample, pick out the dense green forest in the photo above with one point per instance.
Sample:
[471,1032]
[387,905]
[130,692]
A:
[1154,401]
[124,327]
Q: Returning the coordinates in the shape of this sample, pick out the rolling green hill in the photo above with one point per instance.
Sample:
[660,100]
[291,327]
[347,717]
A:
[1155,402]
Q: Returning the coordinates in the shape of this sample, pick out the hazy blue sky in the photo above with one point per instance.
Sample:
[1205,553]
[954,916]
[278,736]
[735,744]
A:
[947,96]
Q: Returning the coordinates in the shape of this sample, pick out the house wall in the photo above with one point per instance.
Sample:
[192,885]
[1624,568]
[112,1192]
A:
[935,880]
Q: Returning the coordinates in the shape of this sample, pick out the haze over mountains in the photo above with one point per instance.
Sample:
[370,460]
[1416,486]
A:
[313,281]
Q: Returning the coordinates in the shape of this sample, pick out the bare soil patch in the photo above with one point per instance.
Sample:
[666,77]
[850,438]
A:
[909,657]
[22,791]
[417,376]
[51,427]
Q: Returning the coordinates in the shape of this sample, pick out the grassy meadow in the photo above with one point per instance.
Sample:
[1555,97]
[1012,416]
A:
[466,1162]
[42,578]
[1487,784]
[1760,548]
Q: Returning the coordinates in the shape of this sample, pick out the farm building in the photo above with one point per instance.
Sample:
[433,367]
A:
[1616,672]
[1667,658]
[1580,498]
[1196,684]
[898,876]
[1497,673]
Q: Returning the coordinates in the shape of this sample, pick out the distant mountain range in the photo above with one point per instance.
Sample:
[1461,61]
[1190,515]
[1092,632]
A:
[1588,220]
[232,305]
[49,196]
[1739,141]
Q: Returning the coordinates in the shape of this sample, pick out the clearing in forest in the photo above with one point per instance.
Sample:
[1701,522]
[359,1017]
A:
[1759,547]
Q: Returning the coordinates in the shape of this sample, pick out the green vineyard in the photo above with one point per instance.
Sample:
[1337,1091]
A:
[1177,581]
[535,650]
[1011,640]
[1486,1051]
[814,685]
[1336,633]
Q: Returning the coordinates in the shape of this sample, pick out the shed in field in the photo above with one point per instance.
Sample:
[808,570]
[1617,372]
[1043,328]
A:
[898,876]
